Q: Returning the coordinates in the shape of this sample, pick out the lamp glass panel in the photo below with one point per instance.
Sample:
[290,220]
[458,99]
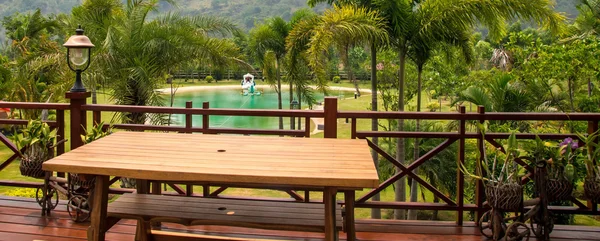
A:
[79,56]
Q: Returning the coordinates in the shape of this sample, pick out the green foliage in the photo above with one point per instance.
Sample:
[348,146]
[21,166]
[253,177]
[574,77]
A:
[433,106]
[336,79]
[37,140]
[96,133]
[590,153]
[138,52]
[20,192]
[209,79]
[498,166]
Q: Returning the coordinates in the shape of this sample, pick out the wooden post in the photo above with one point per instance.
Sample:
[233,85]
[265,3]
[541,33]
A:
[353,129]
[97,118]
[460,192]
[593,128]
[205,119]
[331,105]
[479,188]
[60,149]
[188,117]
[307,127]
[78,117]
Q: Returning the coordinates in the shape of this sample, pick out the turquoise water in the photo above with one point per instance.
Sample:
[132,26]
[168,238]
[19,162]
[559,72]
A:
[232,98]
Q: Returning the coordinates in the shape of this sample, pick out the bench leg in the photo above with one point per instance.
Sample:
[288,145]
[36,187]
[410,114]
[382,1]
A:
[349,198]
[331,232]
[143,231]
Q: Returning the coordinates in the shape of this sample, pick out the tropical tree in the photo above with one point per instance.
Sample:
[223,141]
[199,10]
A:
[588,20]
[267,43]
[136,53]
[34,53]
[340,27]
[374,47]
[410,21]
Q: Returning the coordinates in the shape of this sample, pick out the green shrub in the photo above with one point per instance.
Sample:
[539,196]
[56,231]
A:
[209,79]
[433,106]
[21,192]
[337,79]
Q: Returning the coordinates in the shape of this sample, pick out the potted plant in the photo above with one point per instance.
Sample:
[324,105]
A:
[500,173]
[37,142]
[91,135]
[590,154]
[560,170]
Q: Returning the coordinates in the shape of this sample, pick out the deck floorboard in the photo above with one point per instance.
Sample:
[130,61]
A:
[20,220]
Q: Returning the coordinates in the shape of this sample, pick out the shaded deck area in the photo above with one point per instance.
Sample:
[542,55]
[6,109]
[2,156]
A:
[20,220]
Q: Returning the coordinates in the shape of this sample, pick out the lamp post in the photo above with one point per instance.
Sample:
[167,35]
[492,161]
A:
[294,105]
[79,52]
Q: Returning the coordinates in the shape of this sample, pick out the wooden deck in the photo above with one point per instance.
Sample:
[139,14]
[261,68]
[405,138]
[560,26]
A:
[20,220]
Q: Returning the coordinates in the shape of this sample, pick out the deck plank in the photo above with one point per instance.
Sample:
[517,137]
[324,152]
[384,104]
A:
[20,220]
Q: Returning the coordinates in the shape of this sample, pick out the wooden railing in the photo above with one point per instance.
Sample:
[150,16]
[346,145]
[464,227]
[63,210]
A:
[331,115]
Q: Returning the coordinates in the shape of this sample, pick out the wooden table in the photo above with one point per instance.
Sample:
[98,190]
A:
[330,164]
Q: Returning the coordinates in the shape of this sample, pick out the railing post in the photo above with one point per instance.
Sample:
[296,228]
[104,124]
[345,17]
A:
[593,128]
[78,117]
[307,127]
[460,193]
[479,188]
[205,119]
[60,149]
[331,110]
[188,117]
[97,118]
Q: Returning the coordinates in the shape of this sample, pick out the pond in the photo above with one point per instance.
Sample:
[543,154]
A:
[233,98]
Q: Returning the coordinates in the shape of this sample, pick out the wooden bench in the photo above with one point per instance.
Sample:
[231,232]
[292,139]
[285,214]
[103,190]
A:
[148,209]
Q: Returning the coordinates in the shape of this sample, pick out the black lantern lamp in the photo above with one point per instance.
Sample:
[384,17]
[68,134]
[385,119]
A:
[295,105]
[79,52]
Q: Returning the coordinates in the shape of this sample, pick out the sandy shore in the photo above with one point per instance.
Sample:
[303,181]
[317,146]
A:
[217,87]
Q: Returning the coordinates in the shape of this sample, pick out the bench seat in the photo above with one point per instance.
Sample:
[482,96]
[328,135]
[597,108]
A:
[290,216]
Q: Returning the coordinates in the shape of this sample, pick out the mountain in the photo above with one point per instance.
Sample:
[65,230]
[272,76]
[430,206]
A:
[568,6]
[244,12]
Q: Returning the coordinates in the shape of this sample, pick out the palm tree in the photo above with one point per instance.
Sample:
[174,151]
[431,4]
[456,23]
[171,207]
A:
[137,53]
[412,20]
[267,43]
[375,213]
[34,53]
[588,20]
[341,28]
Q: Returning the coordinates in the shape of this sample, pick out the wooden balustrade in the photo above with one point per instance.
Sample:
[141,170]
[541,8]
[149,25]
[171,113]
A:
[331,114]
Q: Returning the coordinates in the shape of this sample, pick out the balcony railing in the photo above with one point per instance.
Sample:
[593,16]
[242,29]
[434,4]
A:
[78,118]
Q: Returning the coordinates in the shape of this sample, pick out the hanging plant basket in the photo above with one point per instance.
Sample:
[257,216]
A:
[505,196]
[81,180]
[31,169]
[592,190]
[559,190]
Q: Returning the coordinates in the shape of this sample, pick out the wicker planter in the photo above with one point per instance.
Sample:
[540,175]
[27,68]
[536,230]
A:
[592,190]
[504,197]
[81,180]
[559,190]
[31,169]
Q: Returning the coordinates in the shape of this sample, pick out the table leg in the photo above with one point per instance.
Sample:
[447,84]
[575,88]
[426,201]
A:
[349,198]
[97,229]
[142,186]
[331,233]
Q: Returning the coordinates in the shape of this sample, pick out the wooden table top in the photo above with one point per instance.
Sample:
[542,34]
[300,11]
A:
[299,162]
